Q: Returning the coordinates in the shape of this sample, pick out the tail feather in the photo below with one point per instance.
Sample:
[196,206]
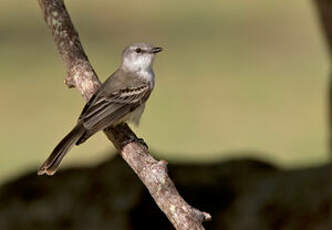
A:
[52,163]
[83,137]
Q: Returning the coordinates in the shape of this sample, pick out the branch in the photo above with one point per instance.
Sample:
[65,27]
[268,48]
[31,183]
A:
[81,75]
[324,8]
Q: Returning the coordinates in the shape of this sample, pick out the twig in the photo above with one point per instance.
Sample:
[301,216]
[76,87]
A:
[81,75]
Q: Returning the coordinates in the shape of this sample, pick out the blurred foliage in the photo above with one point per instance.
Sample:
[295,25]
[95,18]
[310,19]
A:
[234,76]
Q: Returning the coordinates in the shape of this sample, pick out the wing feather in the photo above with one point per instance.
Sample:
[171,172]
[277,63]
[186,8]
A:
[104,111]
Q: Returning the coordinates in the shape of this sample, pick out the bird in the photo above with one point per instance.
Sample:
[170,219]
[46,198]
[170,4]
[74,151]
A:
[121,98]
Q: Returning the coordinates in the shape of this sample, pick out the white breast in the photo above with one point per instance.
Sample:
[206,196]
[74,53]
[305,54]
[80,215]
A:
[135,116]
[147,75]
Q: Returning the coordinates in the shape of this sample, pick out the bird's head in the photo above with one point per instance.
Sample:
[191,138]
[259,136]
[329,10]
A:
[139,56]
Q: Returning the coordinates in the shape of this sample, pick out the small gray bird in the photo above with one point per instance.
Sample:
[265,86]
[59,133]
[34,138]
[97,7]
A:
[121,98]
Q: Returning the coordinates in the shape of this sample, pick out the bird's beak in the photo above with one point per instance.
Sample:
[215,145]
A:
[156,50]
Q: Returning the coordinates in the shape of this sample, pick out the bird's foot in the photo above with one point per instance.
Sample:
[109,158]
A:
[142,142]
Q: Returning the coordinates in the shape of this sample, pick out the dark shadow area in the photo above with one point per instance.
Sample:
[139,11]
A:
[240,194]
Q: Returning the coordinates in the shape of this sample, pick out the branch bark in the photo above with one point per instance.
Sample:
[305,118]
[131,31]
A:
[324,8]
[151,172]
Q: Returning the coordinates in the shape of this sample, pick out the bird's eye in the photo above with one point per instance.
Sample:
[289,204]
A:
[138,50]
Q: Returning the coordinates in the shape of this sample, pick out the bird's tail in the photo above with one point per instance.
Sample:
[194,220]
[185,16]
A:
[52,163]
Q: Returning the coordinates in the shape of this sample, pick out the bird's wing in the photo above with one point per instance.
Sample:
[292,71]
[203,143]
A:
[105,109]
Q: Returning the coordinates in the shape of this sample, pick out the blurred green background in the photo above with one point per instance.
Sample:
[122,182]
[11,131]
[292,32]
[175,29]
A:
[235,77]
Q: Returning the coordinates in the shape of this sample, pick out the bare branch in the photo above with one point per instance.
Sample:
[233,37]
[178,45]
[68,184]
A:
[152,173]
[324,8]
